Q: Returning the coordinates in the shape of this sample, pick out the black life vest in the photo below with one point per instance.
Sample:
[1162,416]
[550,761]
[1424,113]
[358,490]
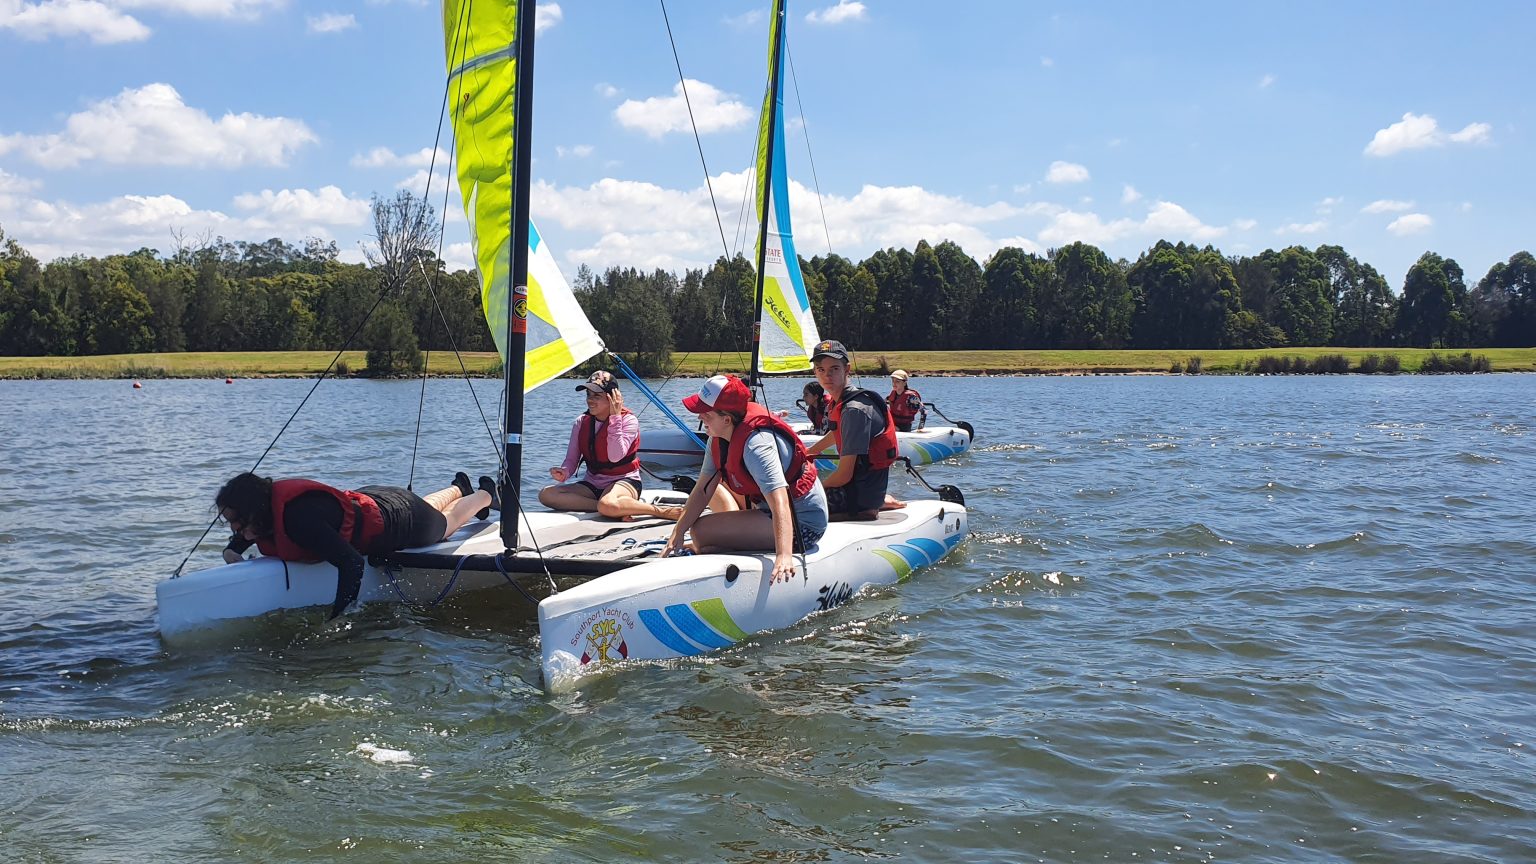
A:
[883,448]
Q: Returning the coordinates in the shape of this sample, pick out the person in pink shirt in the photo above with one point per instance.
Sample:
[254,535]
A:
[606,439]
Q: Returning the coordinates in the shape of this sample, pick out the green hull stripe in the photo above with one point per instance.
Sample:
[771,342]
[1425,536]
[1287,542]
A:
[713,611]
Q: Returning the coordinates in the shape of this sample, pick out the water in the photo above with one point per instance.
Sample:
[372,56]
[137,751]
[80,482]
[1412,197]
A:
[1199,619]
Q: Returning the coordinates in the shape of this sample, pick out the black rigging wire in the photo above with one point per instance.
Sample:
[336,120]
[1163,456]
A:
[806,128]
[683,83]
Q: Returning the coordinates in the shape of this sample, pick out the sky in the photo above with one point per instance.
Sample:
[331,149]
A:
[1388,129]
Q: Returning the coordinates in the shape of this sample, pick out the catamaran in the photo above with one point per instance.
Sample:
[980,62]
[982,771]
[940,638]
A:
[605,597]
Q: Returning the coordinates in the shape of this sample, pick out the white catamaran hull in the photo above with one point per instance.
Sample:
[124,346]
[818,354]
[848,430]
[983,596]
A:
[655,610]
[681,607]
[672,448]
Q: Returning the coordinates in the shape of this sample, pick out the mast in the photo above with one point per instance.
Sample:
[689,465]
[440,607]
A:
[517,298]
[765,185]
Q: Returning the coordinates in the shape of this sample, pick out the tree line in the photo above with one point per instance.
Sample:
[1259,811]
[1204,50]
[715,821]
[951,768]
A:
[241,296]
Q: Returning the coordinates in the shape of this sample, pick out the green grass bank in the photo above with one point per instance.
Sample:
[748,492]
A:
[301,364]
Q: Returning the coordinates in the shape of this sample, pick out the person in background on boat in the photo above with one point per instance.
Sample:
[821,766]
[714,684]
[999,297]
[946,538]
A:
[811,400]
[606,438]
[816,407]
[304,520]
[906,403]
[865,435]
[758,456]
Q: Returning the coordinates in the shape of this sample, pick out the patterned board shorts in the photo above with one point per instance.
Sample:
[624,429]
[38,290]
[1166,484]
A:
[806,537]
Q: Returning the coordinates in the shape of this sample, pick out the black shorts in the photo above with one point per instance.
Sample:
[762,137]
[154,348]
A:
[599,493]
[865,492]
[409,521]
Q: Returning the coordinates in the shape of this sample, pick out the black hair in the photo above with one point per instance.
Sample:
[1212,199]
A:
[250,497]
[813,390]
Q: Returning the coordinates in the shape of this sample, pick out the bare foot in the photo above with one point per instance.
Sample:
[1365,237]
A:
[892,504]
[669,511]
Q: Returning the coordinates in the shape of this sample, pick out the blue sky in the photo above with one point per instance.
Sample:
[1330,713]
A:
[1389,129]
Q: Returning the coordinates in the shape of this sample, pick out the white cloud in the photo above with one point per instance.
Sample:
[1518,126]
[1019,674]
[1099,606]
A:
[713,110]
[1326,205]
[1419,131]
[1130,195]
[105,21]
[746,20]
[331,22]
[1303,227]
[579,151]
[1387,205]
[845,10]
[645,225]
[52,229]
[1466,206]
[1066,172]
[446,198]
[459,256]
[152,126]
[606,90]
[1047,62]
[1170,221]
[383,157]
[97,21]
[1245,224]
[328,206]
[10,184]
[244,9]
[1413,223]
[547,16]
[1266,81]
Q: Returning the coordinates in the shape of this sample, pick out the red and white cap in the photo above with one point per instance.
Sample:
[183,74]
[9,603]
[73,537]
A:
[720,393]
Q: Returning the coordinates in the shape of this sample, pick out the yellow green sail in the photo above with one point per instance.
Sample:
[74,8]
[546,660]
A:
[481,48]
[788,328]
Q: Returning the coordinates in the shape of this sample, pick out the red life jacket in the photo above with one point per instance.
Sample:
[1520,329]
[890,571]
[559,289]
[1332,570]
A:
[883,448]
[586,445]
[361,520]
[906,406]
[801,474]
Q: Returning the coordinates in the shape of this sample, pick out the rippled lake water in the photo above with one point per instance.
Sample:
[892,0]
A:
[1198,619]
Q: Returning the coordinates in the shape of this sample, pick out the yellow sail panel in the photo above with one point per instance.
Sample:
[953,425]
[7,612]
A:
[480,42]
[788,329]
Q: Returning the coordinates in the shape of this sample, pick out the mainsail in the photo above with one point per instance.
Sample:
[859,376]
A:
[482,69]
[788,331]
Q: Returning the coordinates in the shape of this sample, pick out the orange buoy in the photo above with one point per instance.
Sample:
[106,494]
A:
[138,386]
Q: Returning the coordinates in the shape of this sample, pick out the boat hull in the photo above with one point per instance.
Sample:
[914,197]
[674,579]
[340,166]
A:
[681,607]
[653,609]
[672,448]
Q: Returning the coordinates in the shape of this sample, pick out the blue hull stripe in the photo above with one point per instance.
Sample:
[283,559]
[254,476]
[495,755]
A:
[664,633]
[932,548]
[694,628]
[914,557]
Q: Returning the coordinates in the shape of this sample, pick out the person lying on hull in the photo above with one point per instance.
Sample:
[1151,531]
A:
[865,435]
[754,453]
[606,438]
[304,520]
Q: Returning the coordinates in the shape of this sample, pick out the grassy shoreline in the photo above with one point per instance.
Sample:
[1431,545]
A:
[307,364]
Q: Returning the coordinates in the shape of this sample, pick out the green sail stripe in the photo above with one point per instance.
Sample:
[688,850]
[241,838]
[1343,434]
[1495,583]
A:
[714,612]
